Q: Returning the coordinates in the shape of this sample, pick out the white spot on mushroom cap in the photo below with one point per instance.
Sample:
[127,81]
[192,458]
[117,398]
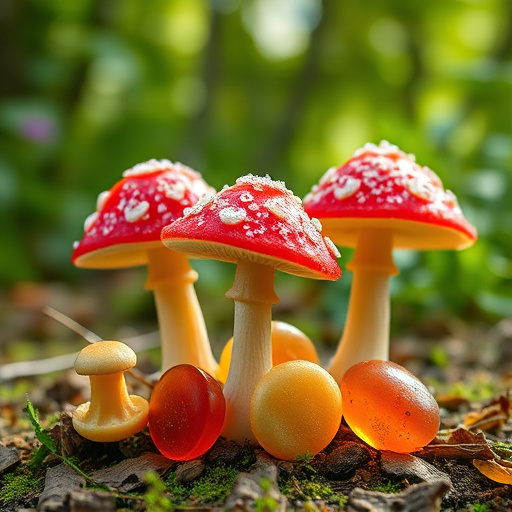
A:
[201,203]
[246,197]
[89,221]
[317,224]
[260,182]
[231,215]
[172,190]
[152,165]
[347,189]
[330,245]
[421,187]
[102,199]
[278,206]
[135,211]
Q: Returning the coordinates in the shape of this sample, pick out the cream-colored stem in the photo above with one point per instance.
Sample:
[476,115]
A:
[366,332]
[253,294]
[184,338]
[110,402]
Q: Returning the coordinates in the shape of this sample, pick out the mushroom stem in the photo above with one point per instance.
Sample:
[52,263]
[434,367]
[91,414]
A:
[103,408]
[184,338]
[253,294]
[366,332]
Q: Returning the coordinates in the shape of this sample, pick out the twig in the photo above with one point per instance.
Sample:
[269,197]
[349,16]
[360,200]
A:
[65,320]
[63,362]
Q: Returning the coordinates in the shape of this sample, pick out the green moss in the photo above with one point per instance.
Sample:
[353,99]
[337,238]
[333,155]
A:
[14,487]
[308,488]
[212,487]
[387,486]
[482,507]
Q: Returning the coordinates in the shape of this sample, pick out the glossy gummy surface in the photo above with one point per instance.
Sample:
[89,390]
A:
[388,407]
[288,344]
[296,409]
[186,412]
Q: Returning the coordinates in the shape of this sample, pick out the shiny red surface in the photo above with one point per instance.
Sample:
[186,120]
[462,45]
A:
[186,412]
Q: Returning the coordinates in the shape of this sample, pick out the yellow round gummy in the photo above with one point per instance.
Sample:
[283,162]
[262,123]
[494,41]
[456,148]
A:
[288,343]
[296,409]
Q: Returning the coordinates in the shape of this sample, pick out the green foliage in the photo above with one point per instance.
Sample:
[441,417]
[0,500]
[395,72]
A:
[42,435]
[266,503]
[481,507]
[305,461]
[97,90]
[48,444]
[155,497]
[303,487]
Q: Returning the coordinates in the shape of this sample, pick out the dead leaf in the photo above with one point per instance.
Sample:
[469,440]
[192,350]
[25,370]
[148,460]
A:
[494,470]
[492,417]
[458,444]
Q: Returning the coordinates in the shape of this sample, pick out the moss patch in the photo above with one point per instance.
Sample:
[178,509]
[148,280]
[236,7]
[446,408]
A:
[17,488]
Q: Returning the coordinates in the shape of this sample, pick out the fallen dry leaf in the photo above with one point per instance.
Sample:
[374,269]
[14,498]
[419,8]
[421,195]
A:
[458,444]
[494,470]
[491,417]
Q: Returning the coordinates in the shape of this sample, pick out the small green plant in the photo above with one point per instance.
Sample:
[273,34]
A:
[266,503]
[305,461]
[481,507]
[387,487]
[48,446]
[308,488]
[155,496]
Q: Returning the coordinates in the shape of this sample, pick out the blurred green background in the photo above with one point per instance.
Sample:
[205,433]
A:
[88,88]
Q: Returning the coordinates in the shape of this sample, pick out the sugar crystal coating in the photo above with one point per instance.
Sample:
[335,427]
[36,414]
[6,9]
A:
[230,215]
[255,218]
[383,182]
[148,197]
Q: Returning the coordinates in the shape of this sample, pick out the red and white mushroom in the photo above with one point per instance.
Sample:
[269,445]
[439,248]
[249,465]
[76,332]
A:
[124,231]
[378,200]
[261,226]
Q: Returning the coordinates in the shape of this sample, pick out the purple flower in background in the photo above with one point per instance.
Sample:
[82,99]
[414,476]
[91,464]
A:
[38,128]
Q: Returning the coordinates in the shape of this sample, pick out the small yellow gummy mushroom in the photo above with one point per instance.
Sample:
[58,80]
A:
[296,409]
[112,414]
[288,343]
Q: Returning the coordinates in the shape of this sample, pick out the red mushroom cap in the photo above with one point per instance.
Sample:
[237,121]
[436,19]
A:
[130,217]
[260,220]
[381,186]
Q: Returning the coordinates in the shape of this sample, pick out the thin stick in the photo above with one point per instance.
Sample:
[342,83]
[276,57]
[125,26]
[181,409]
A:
[82,331]
[89,336]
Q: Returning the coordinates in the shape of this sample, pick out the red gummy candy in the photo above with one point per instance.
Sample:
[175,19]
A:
[186,412]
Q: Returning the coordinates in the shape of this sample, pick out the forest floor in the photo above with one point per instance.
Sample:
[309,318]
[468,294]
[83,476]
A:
[47,466]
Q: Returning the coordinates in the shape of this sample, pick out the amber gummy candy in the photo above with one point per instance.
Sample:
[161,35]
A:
[288,344]
[296,409]
[388,407]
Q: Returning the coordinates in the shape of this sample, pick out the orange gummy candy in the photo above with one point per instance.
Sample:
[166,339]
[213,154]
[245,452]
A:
[288,343]
[388,407]
[296,409]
